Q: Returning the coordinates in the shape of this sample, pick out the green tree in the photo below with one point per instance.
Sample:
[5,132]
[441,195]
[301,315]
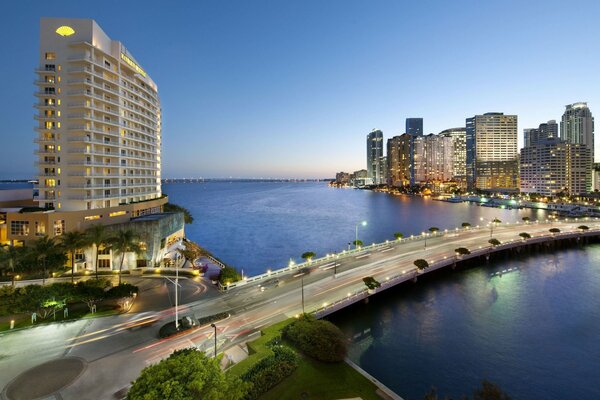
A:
[434,229]
[494,242]
[526,219]
[91,292]
[71,242]
[554,230]
[307,256]
[318,339]
[525,235]
[46,255]
[421,264]
[187,215]
[10,260]
[583,228]
[462,251]
[97,236]
[229,275]
[496,221]
[358,243]
[125,241]
[398,235]
[466,225]
[371,282]
[185,375]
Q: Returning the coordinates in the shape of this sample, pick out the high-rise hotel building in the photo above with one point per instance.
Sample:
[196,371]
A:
[492,158]
[98,139]
[98,120]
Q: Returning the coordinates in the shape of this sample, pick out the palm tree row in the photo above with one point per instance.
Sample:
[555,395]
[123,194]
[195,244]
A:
[46,254]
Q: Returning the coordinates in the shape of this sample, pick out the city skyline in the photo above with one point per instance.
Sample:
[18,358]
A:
[282,86]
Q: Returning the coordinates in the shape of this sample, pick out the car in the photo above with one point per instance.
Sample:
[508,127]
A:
[274,282]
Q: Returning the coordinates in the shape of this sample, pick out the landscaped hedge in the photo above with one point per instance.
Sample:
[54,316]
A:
[318,339]
[212,318]
[271,370]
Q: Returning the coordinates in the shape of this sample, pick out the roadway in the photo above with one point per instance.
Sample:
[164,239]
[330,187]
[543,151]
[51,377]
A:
[115,354]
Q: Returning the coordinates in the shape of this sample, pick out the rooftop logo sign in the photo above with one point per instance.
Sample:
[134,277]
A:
[133,65]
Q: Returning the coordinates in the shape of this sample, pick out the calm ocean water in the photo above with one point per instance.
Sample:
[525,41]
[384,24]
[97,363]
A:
[261,225]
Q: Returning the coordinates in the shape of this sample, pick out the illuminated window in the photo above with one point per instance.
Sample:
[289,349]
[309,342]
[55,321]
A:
[59,226]
[117,213]
[50,182]
[19,228]
[51,55]
[40,228]
[92,217]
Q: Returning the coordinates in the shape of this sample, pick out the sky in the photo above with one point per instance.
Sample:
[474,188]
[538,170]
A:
[290,89]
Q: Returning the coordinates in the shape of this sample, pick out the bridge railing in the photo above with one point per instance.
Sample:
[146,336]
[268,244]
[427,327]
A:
[434,264]
[374,246]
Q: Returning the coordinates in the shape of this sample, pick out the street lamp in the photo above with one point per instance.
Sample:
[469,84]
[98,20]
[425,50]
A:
[492,222]
[215,328]
[363,223]
[302,279]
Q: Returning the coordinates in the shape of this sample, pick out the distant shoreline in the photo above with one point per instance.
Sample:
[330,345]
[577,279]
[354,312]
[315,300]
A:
[206,180]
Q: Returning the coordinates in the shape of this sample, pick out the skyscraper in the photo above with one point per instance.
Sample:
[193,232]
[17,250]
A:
[577,125]
[374,155]
[552,166]
[492,162]
[414,126]
[399,160]
[99,120]
[545,131]
[459,154]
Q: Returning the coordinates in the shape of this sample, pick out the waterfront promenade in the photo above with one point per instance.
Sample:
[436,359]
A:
[114,356]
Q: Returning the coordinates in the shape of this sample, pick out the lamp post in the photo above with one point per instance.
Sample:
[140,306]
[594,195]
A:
[363,223]
[302,280]
[215,328]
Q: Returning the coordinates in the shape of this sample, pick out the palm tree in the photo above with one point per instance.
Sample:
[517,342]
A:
[71,242]
[97,236]
[125,241]
[10,258]
[43,249]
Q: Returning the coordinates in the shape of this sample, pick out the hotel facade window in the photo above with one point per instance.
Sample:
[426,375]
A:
[19,228]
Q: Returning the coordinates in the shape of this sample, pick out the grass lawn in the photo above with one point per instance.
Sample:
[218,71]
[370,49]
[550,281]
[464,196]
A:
[316,379]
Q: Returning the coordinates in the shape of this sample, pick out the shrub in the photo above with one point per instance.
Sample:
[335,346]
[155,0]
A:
[421,264]
[229,275]
[271,370]
[122,290]
[318,339]
[494,242]
[461,251]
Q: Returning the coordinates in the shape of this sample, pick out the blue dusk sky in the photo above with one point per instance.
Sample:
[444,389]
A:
[291,88]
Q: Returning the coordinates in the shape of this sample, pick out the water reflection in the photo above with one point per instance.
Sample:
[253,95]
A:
[532,329]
